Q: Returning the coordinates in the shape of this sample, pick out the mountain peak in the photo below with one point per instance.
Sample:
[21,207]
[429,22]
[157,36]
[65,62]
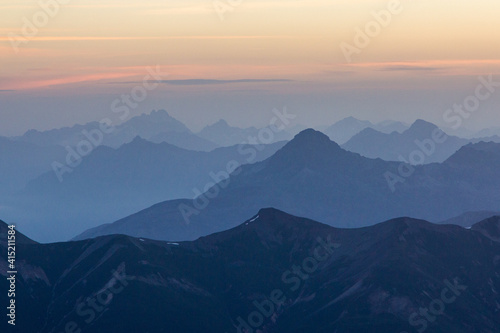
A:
[156,115]
[311,136]
[422,126]
[354,121]
[309,148]
[221,123]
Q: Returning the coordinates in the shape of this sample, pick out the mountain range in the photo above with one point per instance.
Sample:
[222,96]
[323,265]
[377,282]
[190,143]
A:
[225,135]
[158,126]
[112,183]
[273,273]
[345,129]
[327,184]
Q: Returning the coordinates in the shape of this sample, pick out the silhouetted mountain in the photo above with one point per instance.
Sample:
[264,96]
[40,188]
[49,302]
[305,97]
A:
[489,228]
[158,126]
[468,219]
[111,183]
[346,128]
[474,155]
[225,135]
[19,237]
[422,143]
[313,177]
[389,126]
[65,136]
[488,132]
[185,140]
[274,273]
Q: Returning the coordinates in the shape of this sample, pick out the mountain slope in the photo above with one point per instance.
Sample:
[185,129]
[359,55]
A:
[21,162]
[275,272]
[111,183]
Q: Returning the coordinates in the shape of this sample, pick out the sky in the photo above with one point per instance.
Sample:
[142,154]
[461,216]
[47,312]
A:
[68,62]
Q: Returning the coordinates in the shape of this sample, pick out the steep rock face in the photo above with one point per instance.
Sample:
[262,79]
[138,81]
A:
[370,279]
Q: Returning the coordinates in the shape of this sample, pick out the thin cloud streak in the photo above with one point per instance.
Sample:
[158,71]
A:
[93,38]
[196,82]
[34,84]
[426,63]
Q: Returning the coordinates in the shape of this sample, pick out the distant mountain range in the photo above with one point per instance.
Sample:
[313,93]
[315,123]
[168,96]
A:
[225,135]
[274,273]
[345,129]
[112,183]
[327,184]
[158,126]
[468,219]
[422,143]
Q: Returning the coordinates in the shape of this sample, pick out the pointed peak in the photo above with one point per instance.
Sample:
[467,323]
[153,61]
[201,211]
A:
[221,123]
[138,139]
[161,112]
[353,120]
[311,136]
[422,124]
[309,148]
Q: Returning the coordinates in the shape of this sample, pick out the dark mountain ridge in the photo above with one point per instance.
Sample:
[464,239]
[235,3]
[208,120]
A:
[263,274]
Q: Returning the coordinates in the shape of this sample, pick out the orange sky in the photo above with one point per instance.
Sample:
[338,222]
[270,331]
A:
[84,44]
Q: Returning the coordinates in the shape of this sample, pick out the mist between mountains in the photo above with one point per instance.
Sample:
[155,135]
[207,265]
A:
[222,178]
[121,108]
[455,116]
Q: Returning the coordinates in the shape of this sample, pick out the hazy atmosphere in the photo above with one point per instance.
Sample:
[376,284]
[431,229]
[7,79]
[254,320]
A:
[70,69]
[221,166]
